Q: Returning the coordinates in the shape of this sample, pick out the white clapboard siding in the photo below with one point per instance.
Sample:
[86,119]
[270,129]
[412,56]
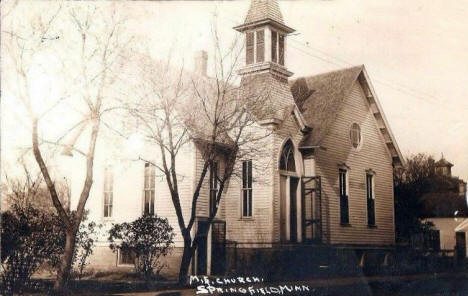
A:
[373,155]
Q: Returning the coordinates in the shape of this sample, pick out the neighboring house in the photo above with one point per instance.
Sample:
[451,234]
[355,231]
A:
[444,168]
[329,176]
[452,234]
[449,214]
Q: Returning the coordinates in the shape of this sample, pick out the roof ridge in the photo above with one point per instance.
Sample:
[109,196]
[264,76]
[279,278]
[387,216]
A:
[361,66]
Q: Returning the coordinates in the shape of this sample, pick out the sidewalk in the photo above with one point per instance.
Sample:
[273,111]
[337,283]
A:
[320,283]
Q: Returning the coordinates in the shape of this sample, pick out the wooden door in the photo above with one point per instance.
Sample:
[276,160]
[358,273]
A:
[293,183]
[218,248]
[202,249]
[283,208]
[460,246]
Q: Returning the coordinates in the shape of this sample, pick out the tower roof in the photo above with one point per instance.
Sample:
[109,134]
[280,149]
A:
[442,162]
[262,12]
[264,9]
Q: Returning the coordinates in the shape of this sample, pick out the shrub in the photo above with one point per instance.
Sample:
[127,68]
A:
[30,237]
[148,238]
[34,237]
[85,240]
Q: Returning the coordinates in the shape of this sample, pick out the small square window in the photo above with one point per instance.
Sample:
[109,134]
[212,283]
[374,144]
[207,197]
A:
[126,257]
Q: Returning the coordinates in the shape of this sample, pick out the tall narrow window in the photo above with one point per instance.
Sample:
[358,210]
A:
[149,185]
[274,42]
[213,187]
[260,46]
[247,188]
[249,55]
[108,192]
[344,207]
[370,199]
[281,49]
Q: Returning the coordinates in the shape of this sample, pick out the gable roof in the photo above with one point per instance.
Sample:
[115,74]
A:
[320,98]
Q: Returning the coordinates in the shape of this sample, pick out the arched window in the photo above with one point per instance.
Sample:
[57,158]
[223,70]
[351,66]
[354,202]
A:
[287,157]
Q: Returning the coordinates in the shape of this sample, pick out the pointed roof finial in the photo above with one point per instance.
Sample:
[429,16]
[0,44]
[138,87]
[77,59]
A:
[262,12]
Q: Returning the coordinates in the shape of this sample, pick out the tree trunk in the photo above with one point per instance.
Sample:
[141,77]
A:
[185,263]
[63,274]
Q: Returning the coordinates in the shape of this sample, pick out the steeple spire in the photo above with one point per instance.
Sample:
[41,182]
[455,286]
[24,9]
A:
[261,12]
[265,33]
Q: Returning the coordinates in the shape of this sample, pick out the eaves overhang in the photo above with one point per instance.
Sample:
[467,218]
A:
[267,21]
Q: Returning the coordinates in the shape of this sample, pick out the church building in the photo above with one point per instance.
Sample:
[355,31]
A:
[329,183]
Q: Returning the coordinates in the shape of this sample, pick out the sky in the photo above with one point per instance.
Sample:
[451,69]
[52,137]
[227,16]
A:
[416,54]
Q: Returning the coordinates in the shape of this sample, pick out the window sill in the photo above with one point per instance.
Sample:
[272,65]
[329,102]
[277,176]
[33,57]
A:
[371,226]
[107,219]
[125,265]
[345,224]
[246,219]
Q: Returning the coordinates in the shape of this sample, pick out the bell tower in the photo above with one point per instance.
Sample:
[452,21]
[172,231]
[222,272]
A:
[265,40]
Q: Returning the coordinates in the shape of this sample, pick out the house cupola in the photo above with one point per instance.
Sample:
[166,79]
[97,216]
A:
[443,167]
[265,39]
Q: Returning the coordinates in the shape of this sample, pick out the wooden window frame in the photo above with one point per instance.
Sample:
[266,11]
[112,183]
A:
[370,194]
[149,186]
[247,189]
[274,46]
[119,259]
[288,153]
[260,46]
[355,134]
[281,48]
[214,187]
[249,48]
[344,196]
[108,192]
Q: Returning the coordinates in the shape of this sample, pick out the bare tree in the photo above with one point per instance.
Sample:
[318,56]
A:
[75,47]
[217,114]
[29,190]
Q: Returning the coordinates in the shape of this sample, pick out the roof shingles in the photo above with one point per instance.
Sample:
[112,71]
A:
[320,97]
[264,9]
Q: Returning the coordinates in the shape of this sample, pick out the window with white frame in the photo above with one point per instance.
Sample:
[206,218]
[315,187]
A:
[287,162]
[108,192]
[370,198]
[260,34]
[344,206]
[247,188]
[281,49]
[255,47]
[149,189]
[274,46]
[213,187]
[249,47]
[277,47]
